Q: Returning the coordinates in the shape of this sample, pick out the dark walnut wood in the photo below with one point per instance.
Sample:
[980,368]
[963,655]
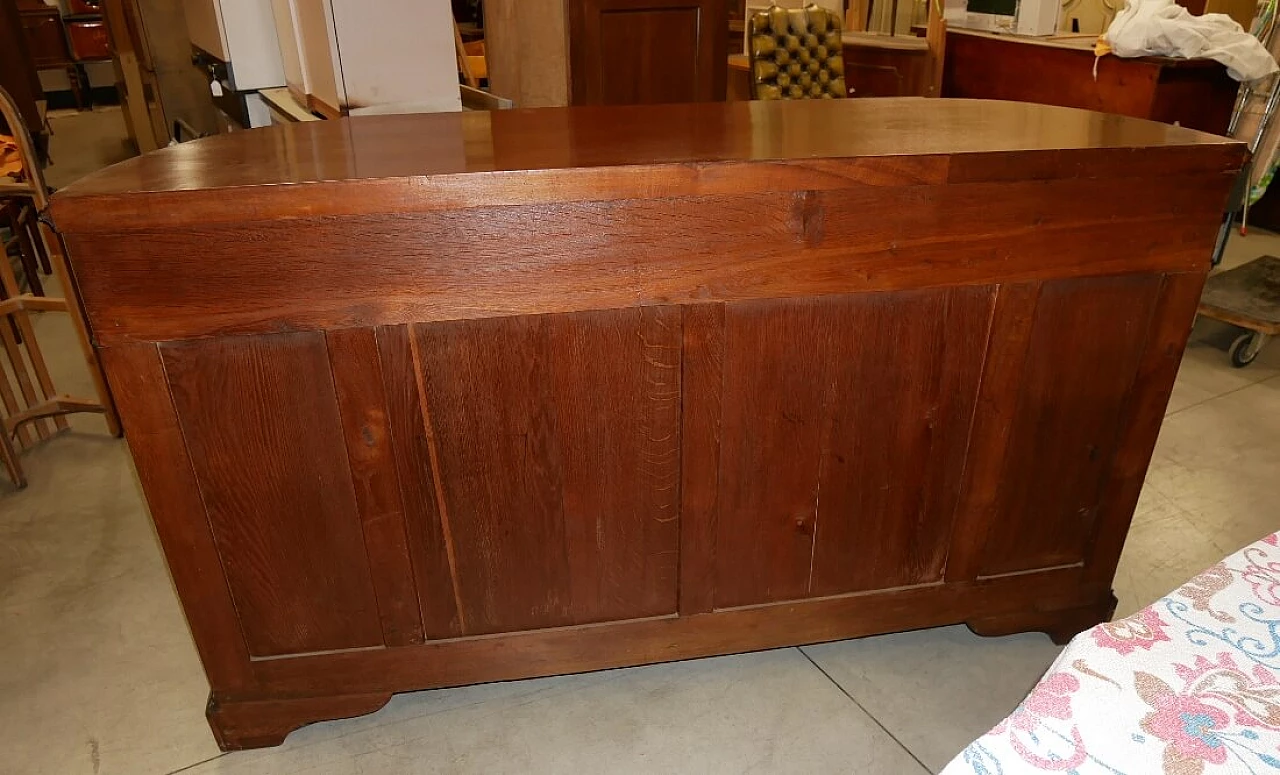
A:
[634,52]
[421,401]
[1196,93]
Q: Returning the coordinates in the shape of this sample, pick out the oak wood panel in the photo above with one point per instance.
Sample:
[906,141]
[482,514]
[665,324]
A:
[821,489]
[889,480]
[1084,348]
[702,387]
[428,548]
[141,392]
[773,415]
[558,431]
[358,379]
[277,488]
[627,52]
[516,260]
[1006,352]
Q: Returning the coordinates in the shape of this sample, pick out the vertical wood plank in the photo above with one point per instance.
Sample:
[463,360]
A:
[700,460]
[488,387]
[141,391]
[1148,398]
[580,454]
[1085,346]
[277,487]
[774,404]
[1006,352]
[357,376]
[418,488]
[615,385]
[887,487]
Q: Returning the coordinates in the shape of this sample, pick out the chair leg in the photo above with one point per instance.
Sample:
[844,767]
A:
[31,232]
[27,255]
[9,457]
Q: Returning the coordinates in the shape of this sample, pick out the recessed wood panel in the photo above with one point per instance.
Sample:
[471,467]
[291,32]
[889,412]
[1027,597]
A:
[277,487]
[888,480]
[649,55]
[843,427]
[1086,341]
[559,432]
[631,52]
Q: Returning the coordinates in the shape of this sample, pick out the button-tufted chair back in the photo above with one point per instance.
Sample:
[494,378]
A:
[795,54]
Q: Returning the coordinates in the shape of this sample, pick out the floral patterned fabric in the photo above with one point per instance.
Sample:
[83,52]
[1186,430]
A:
[1188,686]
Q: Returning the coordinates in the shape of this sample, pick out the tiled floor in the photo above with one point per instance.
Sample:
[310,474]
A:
[98,674]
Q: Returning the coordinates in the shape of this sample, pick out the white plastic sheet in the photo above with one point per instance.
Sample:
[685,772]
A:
[1164,28]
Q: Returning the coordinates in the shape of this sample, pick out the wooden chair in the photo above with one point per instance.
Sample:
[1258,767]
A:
[20,218]
[795,54]
[35,405]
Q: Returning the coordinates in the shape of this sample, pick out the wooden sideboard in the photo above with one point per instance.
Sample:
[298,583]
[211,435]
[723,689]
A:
[429,400]
[1195,93]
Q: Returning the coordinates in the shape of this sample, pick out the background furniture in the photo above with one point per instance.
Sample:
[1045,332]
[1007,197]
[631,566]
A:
[18,76]
[631,52]
[795,54]
[351,56]
[35,401]
[1195,93]
[681,380]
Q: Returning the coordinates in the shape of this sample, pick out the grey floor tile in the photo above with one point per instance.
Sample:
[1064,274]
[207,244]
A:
[97,671]
[936,690]
[770,712]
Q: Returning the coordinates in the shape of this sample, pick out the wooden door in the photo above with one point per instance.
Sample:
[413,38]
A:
[626,52]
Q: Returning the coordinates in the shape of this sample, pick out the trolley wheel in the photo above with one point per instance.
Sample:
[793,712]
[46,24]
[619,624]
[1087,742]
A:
[1245,349]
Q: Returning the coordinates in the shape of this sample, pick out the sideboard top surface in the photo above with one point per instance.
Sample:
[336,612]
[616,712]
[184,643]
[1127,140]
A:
[532,145]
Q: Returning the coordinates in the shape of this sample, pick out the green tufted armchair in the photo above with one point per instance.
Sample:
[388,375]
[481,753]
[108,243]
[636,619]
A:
[795,54]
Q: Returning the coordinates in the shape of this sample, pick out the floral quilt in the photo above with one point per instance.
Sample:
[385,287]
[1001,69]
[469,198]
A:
[1188,685]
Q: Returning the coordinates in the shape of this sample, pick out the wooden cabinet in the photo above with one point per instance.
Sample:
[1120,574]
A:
[625,52]
[1196,93]
[46,41]
[824,369]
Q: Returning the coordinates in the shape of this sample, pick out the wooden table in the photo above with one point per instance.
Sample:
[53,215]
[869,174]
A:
[428,400]
[1195,93]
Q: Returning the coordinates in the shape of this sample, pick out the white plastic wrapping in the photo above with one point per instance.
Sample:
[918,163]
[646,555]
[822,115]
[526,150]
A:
[1164,28]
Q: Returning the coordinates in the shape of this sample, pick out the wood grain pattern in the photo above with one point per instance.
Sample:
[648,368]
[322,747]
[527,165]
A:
[1083,353]
[380,153]
[822,490]
[432,569]
[523,260]
[1006,353]
[888,481]
[366,428]
[703,387]
[277,489]
[558,431]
